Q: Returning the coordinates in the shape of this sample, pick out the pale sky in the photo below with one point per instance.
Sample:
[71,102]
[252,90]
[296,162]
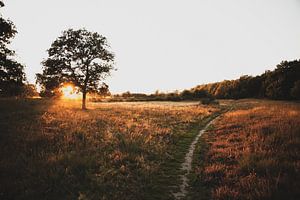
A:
[165,44]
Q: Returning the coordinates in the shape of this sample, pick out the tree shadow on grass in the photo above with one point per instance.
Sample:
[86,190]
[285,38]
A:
[22,145]
[45,153]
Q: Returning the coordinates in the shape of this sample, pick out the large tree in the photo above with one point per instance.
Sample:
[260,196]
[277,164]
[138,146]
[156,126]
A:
[80,57]
[12,73]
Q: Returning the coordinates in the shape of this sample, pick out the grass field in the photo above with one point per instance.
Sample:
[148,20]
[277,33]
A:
[252,152]
[51,149]
[54,150]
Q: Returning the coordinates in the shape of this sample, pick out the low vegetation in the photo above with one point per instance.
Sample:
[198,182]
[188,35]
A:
[51,149]
[252,152]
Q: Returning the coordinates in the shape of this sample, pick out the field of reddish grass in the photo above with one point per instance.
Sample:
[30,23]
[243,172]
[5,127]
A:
[253,152]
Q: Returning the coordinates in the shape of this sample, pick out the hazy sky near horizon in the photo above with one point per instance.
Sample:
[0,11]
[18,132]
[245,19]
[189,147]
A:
[165,44]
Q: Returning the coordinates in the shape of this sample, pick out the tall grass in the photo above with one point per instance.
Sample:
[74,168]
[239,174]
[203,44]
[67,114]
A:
[53,150]
[253,153]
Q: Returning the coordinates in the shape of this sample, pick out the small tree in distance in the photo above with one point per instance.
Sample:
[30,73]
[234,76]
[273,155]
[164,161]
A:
[80,57]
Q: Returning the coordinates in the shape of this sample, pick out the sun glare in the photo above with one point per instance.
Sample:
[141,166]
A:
[70,92]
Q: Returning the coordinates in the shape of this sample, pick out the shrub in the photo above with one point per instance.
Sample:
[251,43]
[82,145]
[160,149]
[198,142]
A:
[209,101]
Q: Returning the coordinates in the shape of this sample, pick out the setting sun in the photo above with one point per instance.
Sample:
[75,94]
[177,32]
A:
[158,100]
[70,92]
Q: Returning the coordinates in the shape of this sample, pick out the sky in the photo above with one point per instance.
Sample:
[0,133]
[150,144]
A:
[165,45]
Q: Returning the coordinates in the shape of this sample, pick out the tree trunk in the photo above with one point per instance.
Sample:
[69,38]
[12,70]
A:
[84,100]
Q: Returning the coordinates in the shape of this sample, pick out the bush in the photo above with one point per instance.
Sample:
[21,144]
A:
[209,101]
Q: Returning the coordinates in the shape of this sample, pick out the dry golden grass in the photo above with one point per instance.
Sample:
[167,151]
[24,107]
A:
[254,153]
[54,150]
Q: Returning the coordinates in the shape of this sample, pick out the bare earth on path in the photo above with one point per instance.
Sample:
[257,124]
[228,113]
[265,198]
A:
[186,166]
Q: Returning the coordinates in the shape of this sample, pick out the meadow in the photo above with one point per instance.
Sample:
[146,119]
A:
[51,149]
[251,152]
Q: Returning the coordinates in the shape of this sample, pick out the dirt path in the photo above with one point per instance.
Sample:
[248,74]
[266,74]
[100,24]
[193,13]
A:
[186,166]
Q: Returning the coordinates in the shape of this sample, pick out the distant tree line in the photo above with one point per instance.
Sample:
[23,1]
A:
[283,83]
[162,96]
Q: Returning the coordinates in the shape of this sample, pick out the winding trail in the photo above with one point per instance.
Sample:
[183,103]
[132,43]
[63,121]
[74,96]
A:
[186,166]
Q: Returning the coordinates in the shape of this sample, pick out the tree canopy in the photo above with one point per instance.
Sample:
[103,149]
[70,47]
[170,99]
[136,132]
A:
[78,56]
[12,73]
[282,83]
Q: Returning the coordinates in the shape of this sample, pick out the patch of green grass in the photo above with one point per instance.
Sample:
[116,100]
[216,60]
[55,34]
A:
[167,180]
[198,190]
